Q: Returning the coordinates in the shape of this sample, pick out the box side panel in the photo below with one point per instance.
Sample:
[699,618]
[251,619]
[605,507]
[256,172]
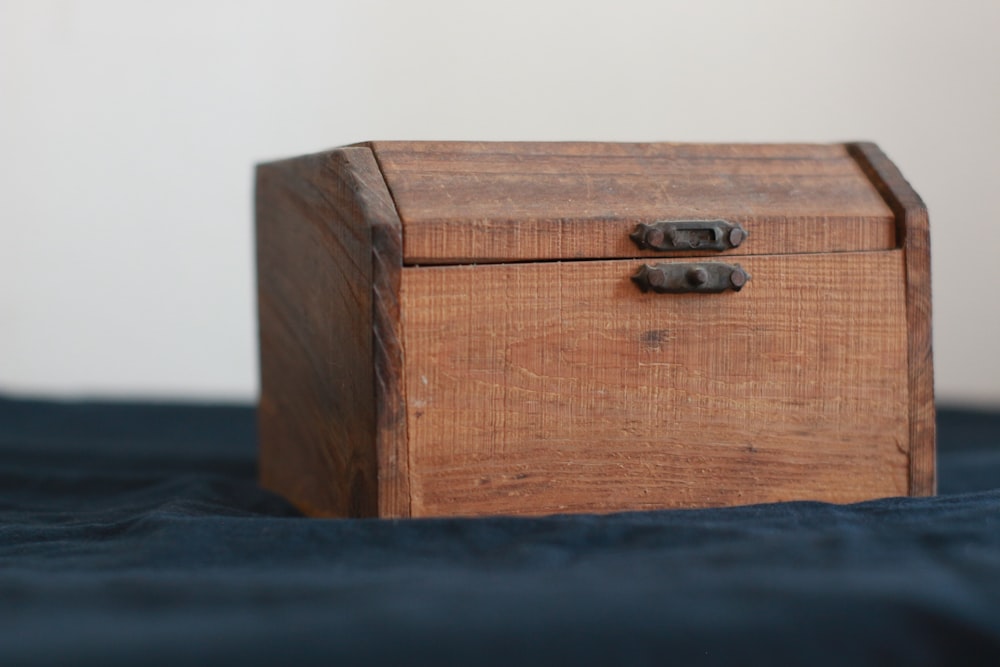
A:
[914,233]
[319,414]
[488,202]
[560,387]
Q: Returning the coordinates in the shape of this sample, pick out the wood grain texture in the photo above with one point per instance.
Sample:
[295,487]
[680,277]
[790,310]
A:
[330,413]
[914,232]
[387,345]
[559,386]
[486,202]
[540,386]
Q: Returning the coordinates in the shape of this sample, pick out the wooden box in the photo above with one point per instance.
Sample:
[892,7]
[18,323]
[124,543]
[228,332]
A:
[453,328]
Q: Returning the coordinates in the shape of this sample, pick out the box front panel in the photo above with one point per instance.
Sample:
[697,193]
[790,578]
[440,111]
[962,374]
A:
[561,387]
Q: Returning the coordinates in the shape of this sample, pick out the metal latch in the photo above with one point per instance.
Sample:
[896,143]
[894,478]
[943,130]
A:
[689,235]
[679,278]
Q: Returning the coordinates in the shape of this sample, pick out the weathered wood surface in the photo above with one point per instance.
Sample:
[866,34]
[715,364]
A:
[485,202]
[914,233]
[547,386]
[551,387]
[387,347]
[332,429]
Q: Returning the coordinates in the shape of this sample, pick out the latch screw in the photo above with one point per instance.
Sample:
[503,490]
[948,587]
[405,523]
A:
[737,236]
[654,238]
[697,276]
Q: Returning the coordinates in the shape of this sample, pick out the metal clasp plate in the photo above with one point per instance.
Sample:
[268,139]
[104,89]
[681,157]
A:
[689,235]
[677,278]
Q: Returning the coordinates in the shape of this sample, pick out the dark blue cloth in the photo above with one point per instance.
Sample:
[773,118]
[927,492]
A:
[136,535]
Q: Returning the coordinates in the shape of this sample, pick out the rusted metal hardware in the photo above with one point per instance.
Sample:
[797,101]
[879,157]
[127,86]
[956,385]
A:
[678,278]
[689,235]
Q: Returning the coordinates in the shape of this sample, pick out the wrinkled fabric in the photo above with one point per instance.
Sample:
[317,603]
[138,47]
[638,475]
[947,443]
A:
[135,534]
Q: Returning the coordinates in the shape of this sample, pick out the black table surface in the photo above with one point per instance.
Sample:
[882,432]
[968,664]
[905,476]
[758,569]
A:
[135,534]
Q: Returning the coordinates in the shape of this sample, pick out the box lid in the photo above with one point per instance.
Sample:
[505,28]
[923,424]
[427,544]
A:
[525,201]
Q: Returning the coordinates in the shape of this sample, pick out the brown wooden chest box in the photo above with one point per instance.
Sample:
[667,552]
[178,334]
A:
[453,328]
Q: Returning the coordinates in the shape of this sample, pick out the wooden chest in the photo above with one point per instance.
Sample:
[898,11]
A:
[453,328]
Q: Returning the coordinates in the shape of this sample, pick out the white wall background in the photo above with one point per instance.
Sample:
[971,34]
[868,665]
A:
[128,130]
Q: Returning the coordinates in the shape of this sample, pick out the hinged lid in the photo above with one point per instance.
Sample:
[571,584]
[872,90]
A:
[463,202]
